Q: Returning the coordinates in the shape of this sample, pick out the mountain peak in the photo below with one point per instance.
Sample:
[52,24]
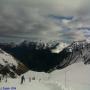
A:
[77,45]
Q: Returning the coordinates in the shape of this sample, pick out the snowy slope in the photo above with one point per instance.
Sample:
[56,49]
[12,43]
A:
[78,51]
[6,58]
[34,85]
[43,84]
[73,77]
[76,76]
[8,64]
[37,75]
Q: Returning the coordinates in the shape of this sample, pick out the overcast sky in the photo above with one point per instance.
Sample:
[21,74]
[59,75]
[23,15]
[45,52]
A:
[45,20]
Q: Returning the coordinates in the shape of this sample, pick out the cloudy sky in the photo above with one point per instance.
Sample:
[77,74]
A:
[65,20]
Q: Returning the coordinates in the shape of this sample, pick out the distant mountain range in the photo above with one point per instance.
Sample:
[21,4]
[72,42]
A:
[39,56]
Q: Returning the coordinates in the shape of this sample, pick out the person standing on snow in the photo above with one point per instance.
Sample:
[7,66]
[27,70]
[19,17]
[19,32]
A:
[22,79]
[0,78]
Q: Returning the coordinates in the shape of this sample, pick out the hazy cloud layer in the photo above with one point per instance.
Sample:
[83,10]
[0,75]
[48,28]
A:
[44,19]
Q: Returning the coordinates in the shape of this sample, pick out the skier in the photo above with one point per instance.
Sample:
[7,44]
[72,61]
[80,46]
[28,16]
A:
[22,79]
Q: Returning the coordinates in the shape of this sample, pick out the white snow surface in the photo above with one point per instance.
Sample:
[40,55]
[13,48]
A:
[6,58]
[34,85]
[74,77]
[60,47]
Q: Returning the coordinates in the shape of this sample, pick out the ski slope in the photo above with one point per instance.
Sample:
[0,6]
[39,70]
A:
[33,85]
[74,77]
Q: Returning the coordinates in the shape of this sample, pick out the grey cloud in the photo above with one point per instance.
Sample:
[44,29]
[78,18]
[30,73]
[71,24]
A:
[29,19]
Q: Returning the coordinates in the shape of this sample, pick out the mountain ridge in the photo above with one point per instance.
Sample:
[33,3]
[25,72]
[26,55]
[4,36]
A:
[39,56]
[9,66]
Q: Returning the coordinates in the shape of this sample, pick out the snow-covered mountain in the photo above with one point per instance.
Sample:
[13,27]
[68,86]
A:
[59,47]
[39,56]
[78,51]
[6,58]
[75,75]
[9,66]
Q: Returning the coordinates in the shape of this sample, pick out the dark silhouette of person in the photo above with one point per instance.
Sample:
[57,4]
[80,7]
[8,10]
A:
[0,78]
[22,79]
[6,79]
